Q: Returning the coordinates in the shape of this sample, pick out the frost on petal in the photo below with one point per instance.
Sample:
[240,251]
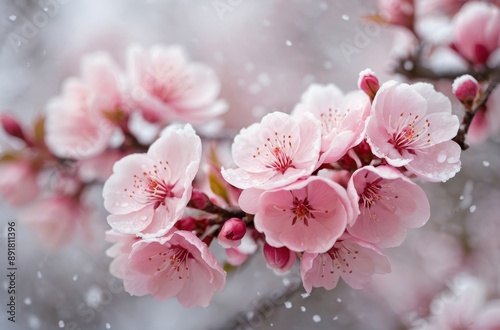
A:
[176,265]
[353,260]
[275,152]
[306,216]
[389,203]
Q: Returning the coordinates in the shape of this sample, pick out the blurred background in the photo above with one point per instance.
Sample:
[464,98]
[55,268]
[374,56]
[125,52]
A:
[265,53]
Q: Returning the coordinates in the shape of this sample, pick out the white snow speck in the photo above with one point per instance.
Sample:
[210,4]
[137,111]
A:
[33,322]
[108,326]
[345,17]
[339,300]
[288,304]
[61,324]
[12,17]
[317,318]
[486,163]
[335,318]
[39,274]
[302,308]
[472,208]
[94,297]
[305,295]
[27,301]
[286,281]
[288,43]
[75,277]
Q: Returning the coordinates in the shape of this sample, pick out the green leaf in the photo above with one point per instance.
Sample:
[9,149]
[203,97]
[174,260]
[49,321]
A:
[217,186]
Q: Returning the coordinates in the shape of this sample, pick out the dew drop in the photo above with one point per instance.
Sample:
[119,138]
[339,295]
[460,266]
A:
[288,304]
[317,318]
[288,43]
[441,157]
[33,322]
[143,218]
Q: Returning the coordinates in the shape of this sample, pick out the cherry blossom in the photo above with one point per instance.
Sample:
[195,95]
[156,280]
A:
[412,126]
[80,122]
[179,265]
[397,12]
[11,174]
[119,251]
[147,193]
[389,203]
[275,152]
[342,118]
[352,259]
[165,86]
[55,220]
[308,215]
[486,122]
[476,29]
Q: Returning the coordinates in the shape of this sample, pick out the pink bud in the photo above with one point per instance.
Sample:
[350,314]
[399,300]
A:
[280,259]
[232,232]
[199,200]
[11,126]
[466,89]
[368,82]
[186,223]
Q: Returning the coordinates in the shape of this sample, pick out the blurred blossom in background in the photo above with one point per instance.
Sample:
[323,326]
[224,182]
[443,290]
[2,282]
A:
[265,54]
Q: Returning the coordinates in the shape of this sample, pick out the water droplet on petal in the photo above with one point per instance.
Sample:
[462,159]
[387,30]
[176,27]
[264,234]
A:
[441,157]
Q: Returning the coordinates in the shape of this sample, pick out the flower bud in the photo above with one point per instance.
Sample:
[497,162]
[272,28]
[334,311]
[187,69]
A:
[11,126]
[187,223]
[199,200]
[280,259]
[368,83]
[231,233]
[466,89]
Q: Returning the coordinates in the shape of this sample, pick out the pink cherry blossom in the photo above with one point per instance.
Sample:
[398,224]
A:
[78,122]
[279,259]
[179,265]
[486,121]
[275,152]
[166,87]
[55,220]
[18,182]
[412,126]
[350,258]
[397,12]
[147,193]
[119,251]
[342,118]
[476,29]
[308,215]
[389,204]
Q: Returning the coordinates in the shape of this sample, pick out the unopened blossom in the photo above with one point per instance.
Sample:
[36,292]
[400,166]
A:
[466,89]
[308,215]
[350,258]
[18,182]
[55,220]
[165,86]
[389,203]
[342,118]
[178,265]
[280,259]
[476,31]
[80,122]
[275,152]
[368,83]
[412,126]
[147,193]
[231,233]
[11,126]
